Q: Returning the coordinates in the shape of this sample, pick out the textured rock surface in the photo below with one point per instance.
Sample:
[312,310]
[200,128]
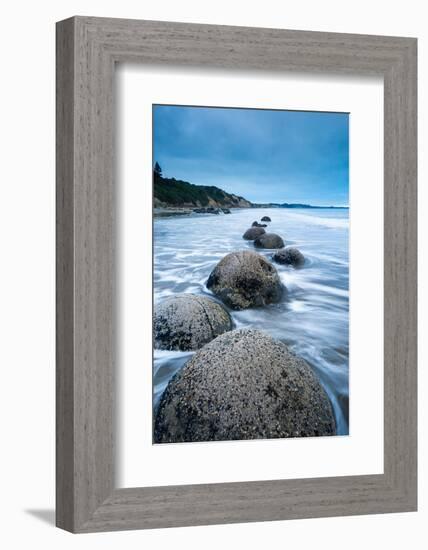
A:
[187,322]
[269,240]
[289,256]
[243,385]
[266,219]
[245,279]
[253,233]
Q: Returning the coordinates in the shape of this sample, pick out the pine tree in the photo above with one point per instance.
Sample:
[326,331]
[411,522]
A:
[158,169]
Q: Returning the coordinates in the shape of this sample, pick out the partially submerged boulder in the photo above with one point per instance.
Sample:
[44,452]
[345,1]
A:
[266,219]
[257,224]
[186,322]
[269,240]
[289,256]
[245,279]
[253,233]
[243,385]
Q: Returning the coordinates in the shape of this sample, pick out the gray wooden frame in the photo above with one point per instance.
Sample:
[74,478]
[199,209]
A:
[87,50]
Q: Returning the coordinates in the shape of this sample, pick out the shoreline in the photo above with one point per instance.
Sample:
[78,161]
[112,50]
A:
[166,211]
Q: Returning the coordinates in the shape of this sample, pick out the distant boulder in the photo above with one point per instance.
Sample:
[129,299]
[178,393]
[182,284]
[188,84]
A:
[226,210]
[253,233]
[257,224]
[212,210]
[245,279]
[269,240]
[243,385]
[266,219]
[289,256]
[186,322]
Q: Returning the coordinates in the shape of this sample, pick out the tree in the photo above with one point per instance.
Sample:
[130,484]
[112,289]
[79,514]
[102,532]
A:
[158,169]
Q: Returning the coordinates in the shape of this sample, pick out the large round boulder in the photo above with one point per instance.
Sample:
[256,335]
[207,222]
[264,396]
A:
[186,322]
[289,256]
[266,219]
[245,279]
[269,240]
[252,233]
[243,385]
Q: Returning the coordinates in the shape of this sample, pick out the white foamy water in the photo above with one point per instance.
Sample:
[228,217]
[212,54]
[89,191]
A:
[313,317]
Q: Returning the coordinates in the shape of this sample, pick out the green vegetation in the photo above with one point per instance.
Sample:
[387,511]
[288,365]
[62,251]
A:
[174,192]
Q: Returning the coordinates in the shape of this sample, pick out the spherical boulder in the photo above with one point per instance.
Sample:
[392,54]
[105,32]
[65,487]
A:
[186,322]
[245,279]
[253,233]
[289,256]
[269,240]
[243,385]
[266,219]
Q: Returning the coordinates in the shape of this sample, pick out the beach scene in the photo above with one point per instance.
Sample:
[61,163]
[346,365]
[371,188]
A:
[251,274]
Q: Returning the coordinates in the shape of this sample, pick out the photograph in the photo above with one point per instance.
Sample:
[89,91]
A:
[250,273]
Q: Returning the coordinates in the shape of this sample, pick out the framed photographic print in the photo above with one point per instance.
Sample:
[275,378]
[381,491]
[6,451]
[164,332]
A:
[236,274]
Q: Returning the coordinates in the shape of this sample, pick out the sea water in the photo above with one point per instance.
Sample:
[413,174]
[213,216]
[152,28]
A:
[313,316]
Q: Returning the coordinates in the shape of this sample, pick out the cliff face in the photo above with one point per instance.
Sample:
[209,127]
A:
[178,193]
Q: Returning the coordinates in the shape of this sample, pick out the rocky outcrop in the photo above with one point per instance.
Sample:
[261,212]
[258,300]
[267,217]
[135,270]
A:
[245,279]
[269,240]
[243,385]
[289,256]
[187,322]
[240,202]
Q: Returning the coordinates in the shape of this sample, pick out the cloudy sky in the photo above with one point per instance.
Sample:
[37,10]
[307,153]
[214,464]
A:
[262,155]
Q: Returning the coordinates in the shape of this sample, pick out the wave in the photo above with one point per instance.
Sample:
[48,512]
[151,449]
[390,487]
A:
[333,223]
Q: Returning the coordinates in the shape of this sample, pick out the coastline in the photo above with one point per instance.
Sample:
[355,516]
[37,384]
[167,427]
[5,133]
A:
[166,211]
[171,211]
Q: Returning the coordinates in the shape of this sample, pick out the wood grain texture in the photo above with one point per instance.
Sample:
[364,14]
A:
[64,276]
[87,50]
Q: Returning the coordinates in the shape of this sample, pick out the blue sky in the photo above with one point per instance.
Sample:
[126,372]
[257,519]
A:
[262,155]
